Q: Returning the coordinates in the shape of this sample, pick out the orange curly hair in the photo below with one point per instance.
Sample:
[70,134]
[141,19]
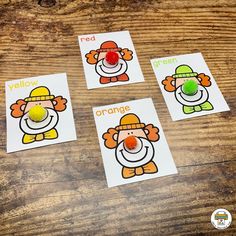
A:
[169,86]
[17,111]
[127,54]
[205,80]
[16,108]
[60,103]
[110,142]
[153,133]
[92,56]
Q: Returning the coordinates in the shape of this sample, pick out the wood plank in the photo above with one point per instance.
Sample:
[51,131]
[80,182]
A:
[169,205]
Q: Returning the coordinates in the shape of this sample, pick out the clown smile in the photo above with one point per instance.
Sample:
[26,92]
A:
[134,158]
[121,151]
[106,70]
[183,96]
[30,127]
[109,68]
[27,124]
[199,98]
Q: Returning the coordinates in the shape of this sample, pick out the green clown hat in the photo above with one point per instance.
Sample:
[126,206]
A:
[184,71]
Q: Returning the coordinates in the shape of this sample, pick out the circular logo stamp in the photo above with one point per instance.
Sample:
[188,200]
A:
[221,219]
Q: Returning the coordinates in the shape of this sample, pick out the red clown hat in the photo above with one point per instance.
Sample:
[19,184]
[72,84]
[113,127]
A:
[108,46]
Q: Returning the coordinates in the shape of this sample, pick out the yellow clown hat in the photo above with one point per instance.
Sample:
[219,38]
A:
[130,121]
[39,94]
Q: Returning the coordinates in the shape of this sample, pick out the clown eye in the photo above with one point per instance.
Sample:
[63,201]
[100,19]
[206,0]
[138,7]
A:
[131,132]
[128,133]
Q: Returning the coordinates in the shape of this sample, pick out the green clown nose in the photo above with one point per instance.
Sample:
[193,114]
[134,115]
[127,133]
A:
[190,87]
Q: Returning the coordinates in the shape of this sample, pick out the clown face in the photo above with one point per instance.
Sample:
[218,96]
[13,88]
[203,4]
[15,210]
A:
[123,134]
[106,70]
[198,98]
[142,154]
[45,104]
[49,122]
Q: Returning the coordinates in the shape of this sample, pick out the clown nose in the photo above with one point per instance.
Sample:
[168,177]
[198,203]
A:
[37,113]
[190,87]
[131,142]
[112,57]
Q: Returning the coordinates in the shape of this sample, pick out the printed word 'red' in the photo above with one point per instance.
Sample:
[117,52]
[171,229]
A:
[87,39]
[22,84]
[114,110]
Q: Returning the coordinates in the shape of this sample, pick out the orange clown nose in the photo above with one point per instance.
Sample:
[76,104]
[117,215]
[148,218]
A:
[131,142]
[112,57]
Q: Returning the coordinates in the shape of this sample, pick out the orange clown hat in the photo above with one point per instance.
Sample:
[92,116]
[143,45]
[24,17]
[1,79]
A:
[130,121]
[108,46]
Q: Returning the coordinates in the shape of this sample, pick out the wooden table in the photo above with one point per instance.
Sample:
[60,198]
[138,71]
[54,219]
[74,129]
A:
[61,189]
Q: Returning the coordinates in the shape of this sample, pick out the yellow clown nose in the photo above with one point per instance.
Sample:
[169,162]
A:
[37,113]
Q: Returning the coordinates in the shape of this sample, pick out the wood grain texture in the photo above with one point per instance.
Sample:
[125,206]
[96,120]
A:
[61,189]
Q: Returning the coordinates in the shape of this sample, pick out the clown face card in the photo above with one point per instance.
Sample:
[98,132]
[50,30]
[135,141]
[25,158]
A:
[109,59]
[38,112]
[132,142]
[188,86]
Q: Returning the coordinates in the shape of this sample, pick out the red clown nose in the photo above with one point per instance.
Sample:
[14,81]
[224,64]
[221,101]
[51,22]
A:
[112,57]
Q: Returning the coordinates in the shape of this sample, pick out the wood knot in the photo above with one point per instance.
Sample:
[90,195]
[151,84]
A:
[47,3]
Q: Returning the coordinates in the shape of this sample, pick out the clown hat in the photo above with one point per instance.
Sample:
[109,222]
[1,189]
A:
[39,94]
[184,71]
[130,121]
[109,46]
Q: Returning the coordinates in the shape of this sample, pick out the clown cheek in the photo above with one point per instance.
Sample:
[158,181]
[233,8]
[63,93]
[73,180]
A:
[47,104]
[121,138]
[179,82]
[140,133]
[122,135]
[28,106]
[101,55]
[198,81]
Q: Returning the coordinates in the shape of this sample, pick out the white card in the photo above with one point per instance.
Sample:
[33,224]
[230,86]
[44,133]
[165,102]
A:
[98,72]
[50,92]
[184,101]
[138,120]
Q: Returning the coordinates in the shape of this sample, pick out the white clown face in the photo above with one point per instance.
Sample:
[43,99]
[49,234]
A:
[139,156]
[200,97]
[30,127]
[106,70]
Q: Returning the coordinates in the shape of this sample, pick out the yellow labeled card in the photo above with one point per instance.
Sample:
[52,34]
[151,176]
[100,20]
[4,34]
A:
[37,110]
